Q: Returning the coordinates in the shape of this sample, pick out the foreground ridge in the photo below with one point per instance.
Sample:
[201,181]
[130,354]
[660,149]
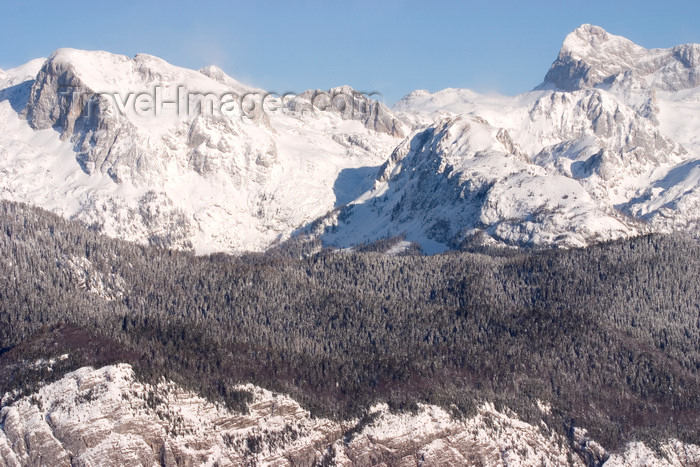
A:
[107,417]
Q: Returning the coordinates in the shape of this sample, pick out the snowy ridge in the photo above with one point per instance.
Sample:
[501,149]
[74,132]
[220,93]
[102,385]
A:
[606,148]
[106,417]
[546,168]
[462,179]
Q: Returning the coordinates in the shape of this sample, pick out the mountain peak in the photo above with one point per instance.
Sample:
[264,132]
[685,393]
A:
[543,168]
[219,75]
[79,57]
[212,71]
[591,56]
[590,40]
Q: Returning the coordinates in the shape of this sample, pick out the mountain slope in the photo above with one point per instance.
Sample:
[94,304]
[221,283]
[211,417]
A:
[463,180]
[537,335]
[342,332]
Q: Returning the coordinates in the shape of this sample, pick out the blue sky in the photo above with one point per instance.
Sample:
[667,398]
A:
[387,46]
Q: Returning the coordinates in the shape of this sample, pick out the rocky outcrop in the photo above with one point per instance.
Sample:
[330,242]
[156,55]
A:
[92,99]
[106,417]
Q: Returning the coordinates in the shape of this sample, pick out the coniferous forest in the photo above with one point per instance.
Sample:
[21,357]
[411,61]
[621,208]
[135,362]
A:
[608,335]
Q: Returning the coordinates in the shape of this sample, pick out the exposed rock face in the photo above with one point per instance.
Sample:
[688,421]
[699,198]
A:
[80,94]
[614,125]
[57,97]
[105,417]
[606,144]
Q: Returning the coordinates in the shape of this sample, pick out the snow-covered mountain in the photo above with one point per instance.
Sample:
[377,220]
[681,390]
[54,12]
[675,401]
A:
[107,417]
[610,151]
[606,147]
[73,141]
[590,56]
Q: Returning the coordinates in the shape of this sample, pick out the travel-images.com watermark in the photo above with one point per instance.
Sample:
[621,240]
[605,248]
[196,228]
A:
[182,102]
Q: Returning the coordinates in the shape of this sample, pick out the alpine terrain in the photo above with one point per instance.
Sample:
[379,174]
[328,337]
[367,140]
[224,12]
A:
[605,148]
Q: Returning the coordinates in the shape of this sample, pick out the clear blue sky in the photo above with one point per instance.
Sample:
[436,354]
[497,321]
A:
[389,46]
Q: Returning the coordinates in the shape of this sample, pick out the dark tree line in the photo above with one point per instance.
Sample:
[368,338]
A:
[609,335]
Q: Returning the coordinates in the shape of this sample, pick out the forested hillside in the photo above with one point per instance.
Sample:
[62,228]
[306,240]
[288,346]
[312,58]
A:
[608,335]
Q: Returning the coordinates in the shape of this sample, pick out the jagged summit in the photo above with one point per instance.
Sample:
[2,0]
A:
[215,73]
[591,56]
